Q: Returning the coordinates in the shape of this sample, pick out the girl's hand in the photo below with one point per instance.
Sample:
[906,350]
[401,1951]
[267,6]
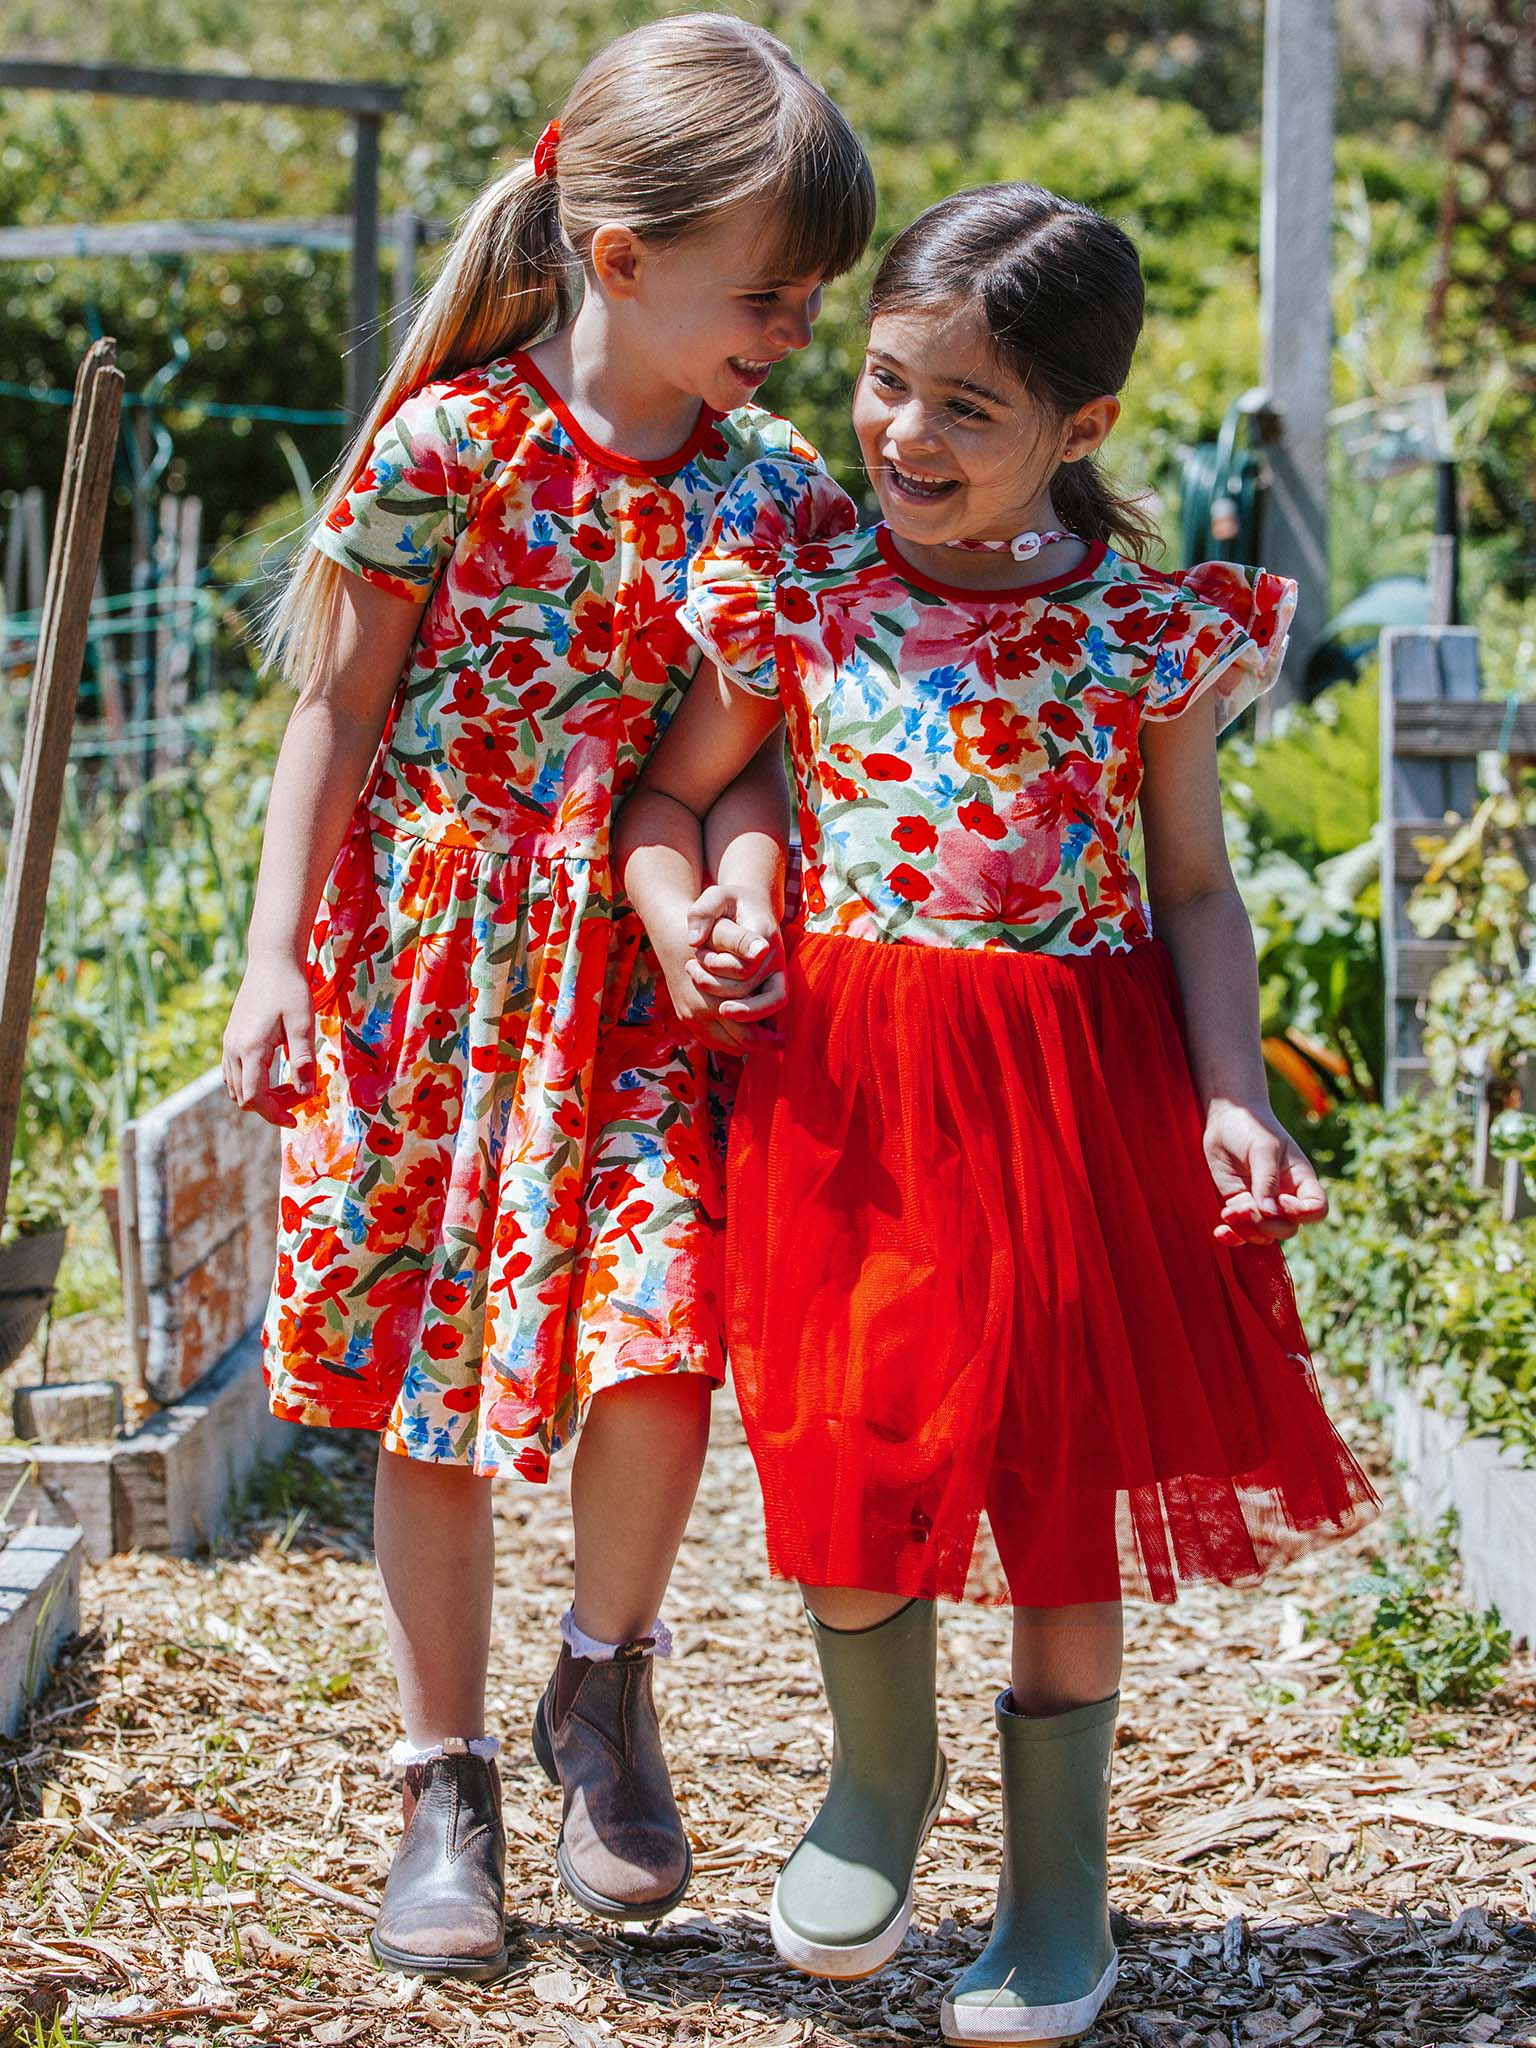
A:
[1267,1184]
[273,1010]
[738,952]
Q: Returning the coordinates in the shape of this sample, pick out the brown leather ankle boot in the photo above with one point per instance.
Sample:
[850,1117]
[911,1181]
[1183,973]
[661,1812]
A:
[622,1851]
[443,1911]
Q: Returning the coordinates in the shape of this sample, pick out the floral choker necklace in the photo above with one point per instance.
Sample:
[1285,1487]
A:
[1023,547]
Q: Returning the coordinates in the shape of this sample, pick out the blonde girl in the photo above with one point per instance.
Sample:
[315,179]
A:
[501,1198]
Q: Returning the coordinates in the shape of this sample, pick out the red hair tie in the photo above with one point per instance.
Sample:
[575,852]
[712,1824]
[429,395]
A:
[546,151]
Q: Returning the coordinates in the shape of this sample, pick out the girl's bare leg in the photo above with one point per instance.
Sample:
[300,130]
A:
[433,1540]
[633,1483]
[1066,1657]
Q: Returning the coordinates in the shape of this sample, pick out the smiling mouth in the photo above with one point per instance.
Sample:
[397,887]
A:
[753,372]
[917,489]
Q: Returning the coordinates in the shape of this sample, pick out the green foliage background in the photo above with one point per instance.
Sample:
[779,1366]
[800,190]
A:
[1145,108]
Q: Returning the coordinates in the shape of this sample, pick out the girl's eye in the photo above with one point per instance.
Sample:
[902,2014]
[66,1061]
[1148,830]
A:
[962,411]
[884,378]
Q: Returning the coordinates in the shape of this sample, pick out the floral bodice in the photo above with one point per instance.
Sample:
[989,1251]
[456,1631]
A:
[549,654]
[967,762]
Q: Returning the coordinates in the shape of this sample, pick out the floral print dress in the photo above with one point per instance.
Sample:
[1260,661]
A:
[970,1256]
[505,1194]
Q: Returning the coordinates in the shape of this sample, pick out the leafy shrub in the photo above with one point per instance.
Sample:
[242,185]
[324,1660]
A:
[1420,1648]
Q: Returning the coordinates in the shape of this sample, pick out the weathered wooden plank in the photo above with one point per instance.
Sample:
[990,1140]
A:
[171,1483]
[207,1179]
[1453,731]
[62,632]
[1296,307]
[1419,961]
[362,363]
[59,242]
[63,1485]
[202,1313]
[1492,1494]
[39,1610]
[207,88]
[1419,666]
[174,1480]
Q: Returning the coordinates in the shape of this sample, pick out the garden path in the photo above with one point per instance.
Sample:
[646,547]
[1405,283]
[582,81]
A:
[196,1821]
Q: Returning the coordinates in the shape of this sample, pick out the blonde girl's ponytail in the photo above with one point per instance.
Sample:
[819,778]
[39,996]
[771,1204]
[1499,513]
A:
[508,277]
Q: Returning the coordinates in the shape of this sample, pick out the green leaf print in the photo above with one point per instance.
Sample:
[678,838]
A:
[1037,941]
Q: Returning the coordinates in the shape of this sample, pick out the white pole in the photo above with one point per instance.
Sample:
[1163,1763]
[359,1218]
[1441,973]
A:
[1296,305]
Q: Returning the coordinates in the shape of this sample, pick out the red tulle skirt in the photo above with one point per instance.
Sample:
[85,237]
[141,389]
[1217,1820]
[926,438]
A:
[971,1269]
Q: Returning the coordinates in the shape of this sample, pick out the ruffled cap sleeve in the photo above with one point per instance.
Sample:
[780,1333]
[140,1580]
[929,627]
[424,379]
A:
[410,501]
[1226,632]
[774,506]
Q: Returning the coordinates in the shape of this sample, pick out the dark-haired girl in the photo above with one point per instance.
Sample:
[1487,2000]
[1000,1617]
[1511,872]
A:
[1004,1210]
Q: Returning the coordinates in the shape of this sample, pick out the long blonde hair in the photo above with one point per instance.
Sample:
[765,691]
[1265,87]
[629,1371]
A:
[668,126]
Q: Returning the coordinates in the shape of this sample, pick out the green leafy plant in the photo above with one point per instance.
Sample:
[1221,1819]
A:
[1420,1647]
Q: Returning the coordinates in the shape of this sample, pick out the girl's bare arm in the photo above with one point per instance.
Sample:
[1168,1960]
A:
[659,837]
[328,747]
[1267,1185]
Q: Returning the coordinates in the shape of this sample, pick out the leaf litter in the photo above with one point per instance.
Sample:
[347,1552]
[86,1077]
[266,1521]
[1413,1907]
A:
[196,1822]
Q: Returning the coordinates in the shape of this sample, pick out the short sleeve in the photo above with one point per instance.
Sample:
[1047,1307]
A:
[774,506]
[407,506]
[1226,631]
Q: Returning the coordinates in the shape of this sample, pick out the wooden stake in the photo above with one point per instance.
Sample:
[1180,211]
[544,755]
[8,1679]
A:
[61,641]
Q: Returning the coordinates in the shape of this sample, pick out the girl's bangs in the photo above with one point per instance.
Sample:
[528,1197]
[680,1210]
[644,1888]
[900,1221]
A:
[822,207]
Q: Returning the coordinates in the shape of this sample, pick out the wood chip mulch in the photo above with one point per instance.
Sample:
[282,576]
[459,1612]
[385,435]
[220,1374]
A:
[195,1824]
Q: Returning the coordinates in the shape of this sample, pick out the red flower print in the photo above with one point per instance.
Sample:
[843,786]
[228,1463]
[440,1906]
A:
[1057,796]
[593,544]
[433,1104]
[797,605]
[592,647]
[656,642]
[983,819]
[653,523]
[993,737]
[449,1293]
[569,1119]
[516,659]
[468,695]
[914,835]
[426,1186]
[459,1400]
[887,768]
[440,1340]
[1060,719]
[907,882]
[391,1213]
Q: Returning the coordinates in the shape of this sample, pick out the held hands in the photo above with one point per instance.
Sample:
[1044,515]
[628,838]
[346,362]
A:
[731,977]
[1267,1185]
[273,1011]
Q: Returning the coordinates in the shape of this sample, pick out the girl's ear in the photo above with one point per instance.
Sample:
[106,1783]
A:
[616,256]
[1089,428]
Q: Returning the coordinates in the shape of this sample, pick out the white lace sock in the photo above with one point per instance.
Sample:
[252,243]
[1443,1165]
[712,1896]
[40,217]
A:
[405,1753]
[581,1644]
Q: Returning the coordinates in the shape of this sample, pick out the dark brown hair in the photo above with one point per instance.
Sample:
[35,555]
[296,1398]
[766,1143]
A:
[1061,290]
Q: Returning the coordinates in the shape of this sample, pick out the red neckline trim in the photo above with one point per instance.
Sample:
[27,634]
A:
[627,465]
[886,541]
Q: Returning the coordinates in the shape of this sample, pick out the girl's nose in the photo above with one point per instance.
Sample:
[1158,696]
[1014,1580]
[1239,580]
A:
[912,426]
[797,324]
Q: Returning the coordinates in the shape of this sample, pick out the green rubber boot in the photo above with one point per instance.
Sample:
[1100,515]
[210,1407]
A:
[1051,1961]
[844,1899]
